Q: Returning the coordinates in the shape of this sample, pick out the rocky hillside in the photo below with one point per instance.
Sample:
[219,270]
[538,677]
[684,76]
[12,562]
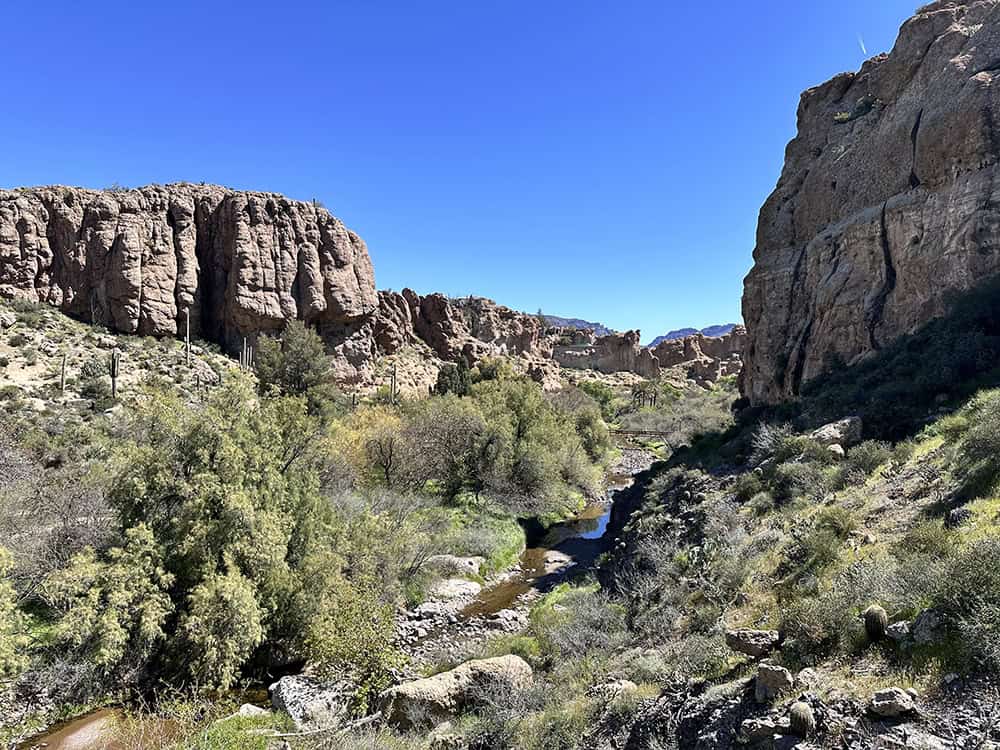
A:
[886,205]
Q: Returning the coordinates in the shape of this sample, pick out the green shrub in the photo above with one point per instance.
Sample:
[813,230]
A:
[747,485]
[977,457]
[794,479]
[866,457]
[17,340]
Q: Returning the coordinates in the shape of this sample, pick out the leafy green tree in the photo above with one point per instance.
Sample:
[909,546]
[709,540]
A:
[454,378]
[115,608]
[293,364]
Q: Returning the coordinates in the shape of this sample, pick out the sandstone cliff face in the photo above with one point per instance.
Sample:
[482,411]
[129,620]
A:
[138,260]
[888,202]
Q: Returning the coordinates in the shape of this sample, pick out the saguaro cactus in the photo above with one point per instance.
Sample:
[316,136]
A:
[246,356]
[62,375]
[114,365]
[187,337]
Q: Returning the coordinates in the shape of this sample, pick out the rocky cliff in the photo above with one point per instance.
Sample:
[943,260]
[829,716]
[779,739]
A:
[138,261]
[888,202]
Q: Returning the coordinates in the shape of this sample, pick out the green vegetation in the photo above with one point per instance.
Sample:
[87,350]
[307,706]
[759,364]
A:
[199,540]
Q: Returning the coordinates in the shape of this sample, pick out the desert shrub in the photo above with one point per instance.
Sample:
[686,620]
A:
[94,367]
[114,609]
[96,389]
[816,627]
[577,621]
[795,479]
[976,463]
[17,340]
[13,636]
[866,457]
[767,439]
[747,485]
[761,503]
[927,538]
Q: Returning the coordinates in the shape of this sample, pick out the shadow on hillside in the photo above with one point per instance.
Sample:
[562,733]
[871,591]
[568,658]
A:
[897,389]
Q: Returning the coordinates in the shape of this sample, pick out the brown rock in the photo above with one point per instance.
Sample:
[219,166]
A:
[886,205]
[242,262]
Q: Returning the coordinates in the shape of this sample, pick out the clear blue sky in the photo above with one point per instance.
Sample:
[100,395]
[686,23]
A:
[602,160]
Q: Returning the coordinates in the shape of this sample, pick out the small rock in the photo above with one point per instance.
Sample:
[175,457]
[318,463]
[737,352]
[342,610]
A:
[753,731]
[837,449]
[892,702]
[957,517]
[755,643]
[7,319]
[928,627]
[772,680]
[806,677]
[899,631]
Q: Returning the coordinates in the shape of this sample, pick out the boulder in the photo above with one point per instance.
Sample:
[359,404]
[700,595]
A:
[454,588]
[312,704]
[844,432]
[892,702]
[772,680]
[899,631]
[755,643]
[7,319]
[433,700]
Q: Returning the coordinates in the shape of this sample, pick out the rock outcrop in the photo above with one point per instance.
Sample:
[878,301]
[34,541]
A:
[241,263]
[440,698]
[887,205]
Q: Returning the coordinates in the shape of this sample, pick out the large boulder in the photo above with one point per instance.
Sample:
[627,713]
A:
[310,703]
[433,700]
[843,433]
[886,206]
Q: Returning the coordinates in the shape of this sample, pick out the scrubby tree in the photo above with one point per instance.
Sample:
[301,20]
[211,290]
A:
[114,607]
[295,363]
[13,638]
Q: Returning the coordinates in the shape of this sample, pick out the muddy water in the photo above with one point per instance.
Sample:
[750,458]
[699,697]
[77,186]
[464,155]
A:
[95,731]
[552,555]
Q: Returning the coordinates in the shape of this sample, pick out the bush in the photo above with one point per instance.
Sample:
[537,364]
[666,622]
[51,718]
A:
[793,480]
[977,457]
[572,622]
[13,636]
[866,457]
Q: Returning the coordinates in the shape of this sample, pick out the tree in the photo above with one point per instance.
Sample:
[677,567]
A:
[114,608]
[231,493]
[454,378]
[292,364]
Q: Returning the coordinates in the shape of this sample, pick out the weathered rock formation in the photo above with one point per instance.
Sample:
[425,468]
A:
[888,202]
[138,261]
[241,264]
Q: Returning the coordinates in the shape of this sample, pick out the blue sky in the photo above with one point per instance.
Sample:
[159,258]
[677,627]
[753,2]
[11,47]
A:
[600,160]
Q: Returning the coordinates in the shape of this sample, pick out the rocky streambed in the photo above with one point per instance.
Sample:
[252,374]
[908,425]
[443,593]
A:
[460,614]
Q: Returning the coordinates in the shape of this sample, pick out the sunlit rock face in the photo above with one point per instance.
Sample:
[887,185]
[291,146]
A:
[887,205]
[240,263]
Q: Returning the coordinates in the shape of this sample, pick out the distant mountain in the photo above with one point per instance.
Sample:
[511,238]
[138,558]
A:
[598,328]
[680,333]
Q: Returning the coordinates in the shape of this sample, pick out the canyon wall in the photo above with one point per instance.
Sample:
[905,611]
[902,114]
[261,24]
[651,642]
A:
[888,203]
[241,263]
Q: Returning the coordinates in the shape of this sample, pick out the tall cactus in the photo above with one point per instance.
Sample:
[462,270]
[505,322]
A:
[62,375]
[114,365]
[246,356]
[187,337]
